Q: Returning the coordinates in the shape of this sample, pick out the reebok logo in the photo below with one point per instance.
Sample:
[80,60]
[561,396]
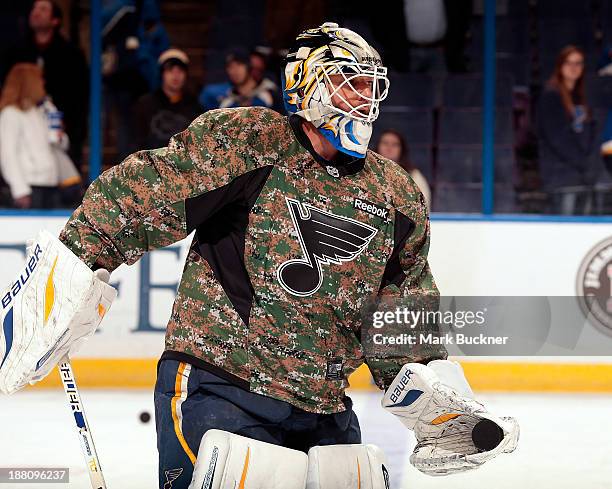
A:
[370,208]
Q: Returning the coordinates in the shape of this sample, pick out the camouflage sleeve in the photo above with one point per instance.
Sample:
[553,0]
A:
[417,284]
[139,205]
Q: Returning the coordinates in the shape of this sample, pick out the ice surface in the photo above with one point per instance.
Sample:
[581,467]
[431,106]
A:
[566,440]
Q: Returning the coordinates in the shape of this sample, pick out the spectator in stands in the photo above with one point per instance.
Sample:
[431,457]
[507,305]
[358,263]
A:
[566,133]
[392,145]
[64,67]
[259,69]
[169,109]
[259,65]
[242,90]
[153,40]
[31,140]
[134,37]
[123,81]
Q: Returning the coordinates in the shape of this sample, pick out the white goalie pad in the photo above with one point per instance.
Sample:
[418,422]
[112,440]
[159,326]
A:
[437,403]
[48,311]
[227,461]
[347,467]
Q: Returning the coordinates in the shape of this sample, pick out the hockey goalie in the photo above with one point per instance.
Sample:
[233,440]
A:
[296,224]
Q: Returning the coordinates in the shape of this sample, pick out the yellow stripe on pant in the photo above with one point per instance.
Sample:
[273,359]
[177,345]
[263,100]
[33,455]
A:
[245,469]
[180,394]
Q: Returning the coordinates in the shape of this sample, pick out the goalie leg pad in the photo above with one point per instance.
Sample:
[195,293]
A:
[226,460]
[347,467]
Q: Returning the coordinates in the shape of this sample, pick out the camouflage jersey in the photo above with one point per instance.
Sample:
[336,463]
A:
[287,248]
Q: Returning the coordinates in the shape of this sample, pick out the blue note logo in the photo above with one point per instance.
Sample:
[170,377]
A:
[171,476]
[325,239]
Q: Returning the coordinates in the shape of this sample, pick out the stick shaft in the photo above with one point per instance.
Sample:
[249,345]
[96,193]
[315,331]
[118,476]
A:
[87,445]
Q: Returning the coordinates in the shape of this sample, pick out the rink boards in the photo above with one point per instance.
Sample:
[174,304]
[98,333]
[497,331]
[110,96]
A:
[467,256]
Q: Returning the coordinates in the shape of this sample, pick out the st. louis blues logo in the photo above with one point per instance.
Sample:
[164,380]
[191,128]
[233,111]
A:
[325,239]
[171,476]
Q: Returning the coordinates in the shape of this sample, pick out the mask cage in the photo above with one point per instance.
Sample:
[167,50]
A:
[367,110]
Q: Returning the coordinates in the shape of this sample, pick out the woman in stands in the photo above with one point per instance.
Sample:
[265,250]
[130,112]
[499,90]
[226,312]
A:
[392,145]
[32,141]
[566,132]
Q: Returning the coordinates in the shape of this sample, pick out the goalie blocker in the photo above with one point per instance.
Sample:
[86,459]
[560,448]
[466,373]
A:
[227,460]
[55,304]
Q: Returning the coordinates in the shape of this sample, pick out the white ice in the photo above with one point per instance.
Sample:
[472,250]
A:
[566,440]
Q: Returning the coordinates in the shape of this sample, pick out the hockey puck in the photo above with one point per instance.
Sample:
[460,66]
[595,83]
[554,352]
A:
[145,417]
[486,435]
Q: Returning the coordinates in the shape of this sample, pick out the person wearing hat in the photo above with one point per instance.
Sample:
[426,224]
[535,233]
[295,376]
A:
[64,66]
[242,89]
[168,110]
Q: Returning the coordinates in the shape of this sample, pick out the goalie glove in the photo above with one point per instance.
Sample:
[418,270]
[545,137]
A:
[54,305]
[436,402]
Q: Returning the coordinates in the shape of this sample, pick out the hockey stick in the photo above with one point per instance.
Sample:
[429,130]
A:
[85,437]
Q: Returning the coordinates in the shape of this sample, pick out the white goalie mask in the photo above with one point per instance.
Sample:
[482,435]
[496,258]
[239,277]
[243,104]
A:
[335,79]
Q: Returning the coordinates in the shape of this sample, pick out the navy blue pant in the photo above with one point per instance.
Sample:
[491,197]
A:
[190,401]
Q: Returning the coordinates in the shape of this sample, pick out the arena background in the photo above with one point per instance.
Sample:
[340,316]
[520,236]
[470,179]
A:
[484,247]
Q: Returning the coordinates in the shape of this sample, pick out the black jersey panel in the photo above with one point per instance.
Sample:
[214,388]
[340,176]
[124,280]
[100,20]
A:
[394,274]
[199,363]
[220,218]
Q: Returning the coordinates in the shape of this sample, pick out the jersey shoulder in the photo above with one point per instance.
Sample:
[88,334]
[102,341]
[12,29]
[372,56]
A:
[249,124]
[242,117]
[403,192]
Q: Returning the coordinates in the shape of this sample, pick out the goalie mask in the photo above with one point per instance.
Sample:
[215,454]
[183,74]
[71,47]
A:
[335,79]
